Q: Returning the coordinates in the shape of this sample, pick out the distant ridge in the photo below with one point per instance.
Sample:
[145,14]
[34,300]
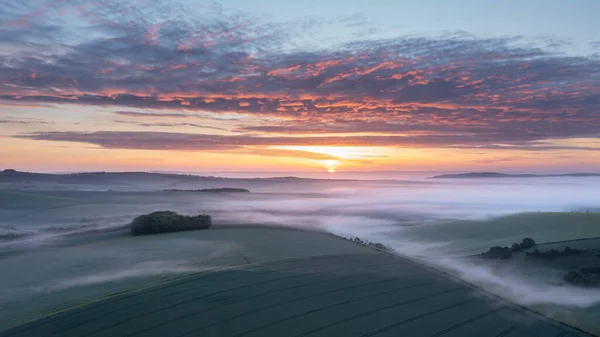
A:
[213,190]
[10,175]
[130,177]
[34,176]
[479,175]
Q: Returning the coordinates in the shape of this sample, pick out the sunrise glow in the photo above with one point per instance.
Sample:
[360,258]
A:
[205,89]
[331,165]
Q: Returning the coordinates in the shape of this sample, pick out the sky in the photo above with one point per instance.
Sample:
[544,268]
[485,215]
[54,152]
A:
[299,86]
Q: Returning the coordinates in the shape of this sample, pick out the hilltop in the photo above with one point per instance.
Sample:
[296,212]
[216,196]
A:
[136,181]
[475,175]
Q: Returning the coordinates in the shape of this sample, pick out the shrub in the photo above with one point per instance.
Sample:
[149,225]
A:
[515,248]
[553,253]
[584,277]
[497,253]
[527,243]
[167,221]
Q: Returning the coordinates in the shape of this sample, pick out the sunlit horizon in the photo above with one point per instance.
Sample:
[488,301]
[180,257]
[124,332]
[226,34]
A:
[133,86]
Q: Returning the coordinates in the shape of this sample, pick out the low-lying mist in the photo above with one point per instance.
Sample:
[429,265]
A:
[440,223]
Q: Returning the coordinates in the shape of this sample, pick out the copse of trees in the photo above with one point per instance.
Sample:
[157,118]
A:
[497,253]
[168,221]
[527,243]
[376,245]
[584,277]
[553,253]
[502,253]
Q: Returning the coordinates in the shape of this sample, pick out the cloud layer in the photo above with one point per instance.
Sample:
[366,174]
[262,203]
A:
[447,91]
[212,142]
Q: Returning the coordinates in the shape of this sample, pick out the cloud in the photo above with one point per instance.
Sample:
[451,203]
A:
[25,120]
[443,91]
[266,152]
[532,146]
[207,142]
[176,115]
[184,142]
[151,115]
[493,160]
[151,125]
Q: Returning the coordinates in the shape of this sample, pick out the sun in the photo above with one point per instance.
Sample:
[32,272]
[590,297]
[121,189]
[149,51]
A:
[331,165]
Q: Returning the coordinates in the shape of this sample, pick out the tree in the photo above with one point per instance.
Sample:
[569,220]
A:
[497,253]
[168,221]
[527,243]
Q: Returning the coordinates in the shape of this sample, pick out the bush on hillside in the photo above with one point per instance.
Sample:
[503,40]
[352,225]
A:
[168,221]
[527,243]
[501,253]
[376,245]
[584,277]
[497,253]
[553,253]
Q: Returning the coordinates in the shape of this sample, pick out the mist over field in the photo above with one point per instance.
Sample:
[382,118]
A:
[70,242]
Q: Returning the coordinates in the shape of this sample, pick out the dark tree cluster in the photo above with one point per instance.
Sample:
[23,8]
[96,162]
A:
[584,277]
[525,243]
[371,244]
[168,221]
[553,253]
[497,253]
[501,253]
